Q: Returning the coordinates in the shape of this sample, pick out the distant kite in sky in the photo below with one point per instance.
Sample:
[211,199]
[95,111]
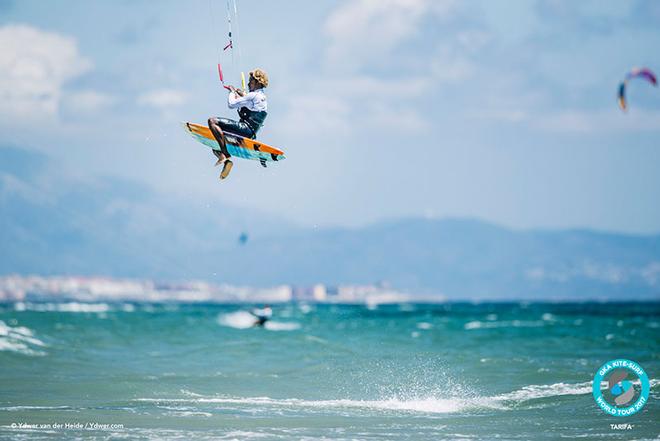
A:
[643,73]
[243,238]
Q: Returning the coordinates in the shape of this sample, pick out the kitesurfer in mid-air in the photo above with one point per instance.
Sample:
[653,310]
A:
[252,110]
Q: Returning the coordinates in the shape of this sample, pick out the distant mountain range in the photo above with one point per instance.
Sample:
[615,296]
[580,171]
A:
[49,226]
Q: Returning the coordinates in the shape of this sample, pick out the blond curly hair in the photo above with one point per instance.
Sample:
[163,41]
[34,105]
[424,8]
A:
[260,76]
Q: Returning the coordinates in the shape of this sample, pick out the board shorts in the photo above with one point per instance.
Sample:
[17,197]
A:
[236,127]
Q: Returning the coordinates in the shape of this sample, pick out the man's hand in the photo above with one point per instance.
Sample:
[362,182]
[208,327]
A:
[239,92]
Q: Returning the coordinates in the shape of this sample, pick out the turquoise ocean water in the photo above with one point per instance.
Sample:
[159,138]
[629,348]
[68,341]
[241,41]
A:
[428,372]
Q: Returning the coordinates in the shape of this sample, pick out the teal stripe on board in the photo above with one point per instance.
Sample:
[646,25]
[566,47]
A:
[233,149]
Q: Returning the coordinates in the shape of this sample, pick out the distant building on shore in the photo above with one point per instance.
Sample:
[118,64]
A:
[15,288]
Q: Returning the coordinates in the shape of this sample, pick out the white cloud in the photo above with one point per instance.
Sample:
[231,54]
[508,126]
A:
[500,115]
[365,87]
[163,98]
[12,186]
[339,101]
[365,30]
[604,120]
[567,121]
[450,69]
[34,65]
[403,120]
[473,40]
[454,58]
[87,101]
[320,113]
[575,121]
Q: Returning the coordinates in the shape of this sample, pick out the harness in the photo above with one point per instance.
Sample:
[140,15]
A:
[253,119]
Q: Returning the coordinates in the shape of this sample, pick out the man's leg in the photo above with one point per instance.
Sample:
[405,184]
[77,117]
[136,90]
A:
[220,137]
[223,158]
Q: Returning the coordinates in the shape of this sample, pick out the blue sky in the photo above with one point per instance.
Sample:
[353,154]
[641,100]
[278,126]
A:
[499,110]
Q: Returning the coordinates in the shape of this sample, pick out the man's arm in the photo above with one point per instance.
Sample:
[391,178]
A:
[235,100]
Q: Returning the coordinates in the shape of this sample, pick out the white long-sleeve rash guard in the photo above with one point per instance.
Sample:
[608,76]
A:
[255,101]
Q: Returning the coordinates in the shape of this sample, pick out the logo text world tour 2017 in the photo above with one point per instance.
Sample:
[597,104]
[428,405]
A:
[620,378]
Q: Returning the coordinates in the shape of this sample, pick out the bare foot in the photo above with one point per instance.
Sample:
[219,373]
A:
[221,157]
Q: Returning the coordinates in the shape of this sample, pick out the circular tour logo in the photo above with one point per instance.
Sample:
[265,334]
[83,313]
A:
[621,387]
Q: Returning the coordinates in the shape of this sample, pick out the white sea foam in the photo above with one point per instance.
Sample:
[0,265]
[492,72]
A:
[305,308]
[238,320]
[244,320]
[184,411]
[12,346]
[433,405]
[22,330]
[533,392]
[190,393]
[427,405]
[504,324]
[22,408]
[281,326]
[189,414]
[19,339]
[316,339]
[237,435]
[424,325]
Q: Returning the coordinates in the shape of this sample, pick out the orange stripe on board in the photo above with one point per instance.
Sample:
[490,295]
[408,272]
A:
[249,144]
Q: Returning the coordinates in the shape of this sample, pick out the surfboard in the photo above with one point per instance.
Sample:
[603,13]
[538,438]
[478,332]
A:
[237,146]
